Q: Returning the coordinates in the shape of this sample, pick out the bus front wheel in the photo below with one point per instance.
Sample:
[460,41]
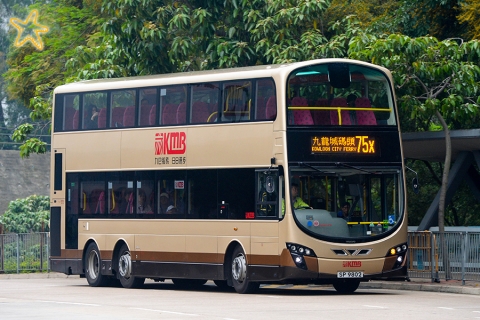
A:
[346,286]
[239,274]
[92,267]
[125,269]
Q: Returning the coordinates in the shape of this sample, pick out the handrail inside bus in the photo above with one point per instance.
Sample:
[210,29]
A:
[340,108]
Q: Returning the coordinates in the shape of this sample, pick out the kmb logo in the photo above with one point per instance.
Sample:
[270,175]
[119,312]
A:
[170,143]
[352,264]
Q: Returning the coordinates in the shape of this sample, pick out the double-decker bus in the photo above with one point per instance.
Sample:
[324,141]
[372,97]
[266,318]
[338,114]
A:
[286,173]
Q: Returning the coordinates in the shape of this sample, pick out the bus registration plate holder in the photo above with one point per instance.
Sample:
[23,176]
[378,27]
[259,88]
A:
[350,274]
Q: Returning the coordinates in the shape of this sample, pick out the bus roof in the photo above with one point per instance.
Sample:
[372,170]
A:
[260,71]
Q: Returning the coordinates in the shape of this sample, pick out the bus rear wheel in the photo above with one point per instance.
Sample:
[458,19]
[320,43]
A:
[239,272]
[346,286]
[92,264]
[124,271]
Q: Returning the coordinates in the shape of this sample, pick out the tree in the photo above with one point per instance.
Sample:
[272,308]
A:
[39,72]
[437,18]
[31,214]
[469,16]
[151,37]
[439,79]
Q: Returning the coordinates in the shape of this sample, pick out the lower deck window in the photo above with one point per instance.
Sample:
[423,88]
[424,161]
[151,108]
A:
[184,194]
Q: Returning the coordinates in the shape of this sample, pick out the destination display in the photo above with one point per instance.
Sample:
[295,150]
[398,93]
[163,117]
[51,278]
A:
[344,145]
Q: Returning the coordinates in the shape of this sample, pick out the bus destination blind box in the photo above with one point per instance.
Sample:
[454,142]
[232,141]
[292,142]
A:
[344,145]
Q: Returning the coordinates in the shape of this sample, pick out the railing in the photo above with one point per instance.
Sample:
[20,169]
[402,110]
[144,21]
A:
[457,257]
[24,252]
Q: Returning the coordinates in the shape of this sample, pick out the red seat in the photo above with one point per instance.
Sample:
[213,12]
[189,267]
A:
[321,117]
[301,117]
[100,208]
[117,117]
[76,119]
[271,108]
[68,114]
[367,117]
[182,113]
[92,202]
[345,115]
[130,203]
[152,118]
[200,112]
[169,114]
[102,118]
[261,106]
[129,117]
[145,115]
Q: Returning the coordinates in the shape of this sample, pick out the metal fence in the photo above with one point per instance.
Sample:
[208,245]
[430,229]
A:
[25,252]
[455,257]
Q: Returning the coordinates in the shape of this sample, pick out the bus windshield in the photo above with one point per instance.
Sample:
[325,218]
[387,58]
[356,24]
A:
[346,202]
[339,94]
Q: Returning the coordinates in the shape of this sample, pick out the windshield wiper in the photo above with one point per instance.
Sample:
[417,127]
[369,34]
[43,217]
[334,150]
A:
[341,164]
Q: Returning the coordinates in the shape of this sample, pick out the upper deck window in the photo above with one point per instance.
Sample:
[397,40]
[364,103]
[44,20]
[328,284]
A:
[172,105]
[339,94]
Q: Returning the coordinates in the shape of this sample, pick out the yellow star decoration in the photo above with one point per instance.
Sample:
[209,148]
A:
[22,25]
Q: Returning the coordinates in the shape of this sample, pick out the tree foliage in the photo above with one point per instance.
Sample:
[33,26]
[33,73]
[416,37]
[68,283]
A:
[469,15]
[32,74]
[436,18]
[430,75]
[31,214]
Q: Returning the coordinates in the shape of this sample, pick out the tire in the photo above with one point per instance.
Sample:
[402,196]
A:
[223,285]
[189,283]
[92,267]
[346,286]
[124,270]
[239,273]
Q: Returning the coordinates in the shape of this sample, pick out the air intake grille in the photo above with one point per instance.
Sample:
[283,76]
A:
[351,252]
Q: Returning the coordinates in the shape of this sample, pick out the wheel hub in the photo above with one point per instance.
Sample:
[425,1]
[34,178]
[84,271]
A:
[93,268]
[125,265]
[239,268]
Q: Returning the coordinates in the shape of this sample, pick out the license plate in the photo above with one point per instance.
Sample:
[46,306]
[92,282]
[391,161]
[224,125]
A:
[350,274]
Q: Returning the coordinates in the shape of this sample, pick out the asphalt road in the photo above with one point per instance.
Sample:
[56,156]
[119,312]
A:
[72,298]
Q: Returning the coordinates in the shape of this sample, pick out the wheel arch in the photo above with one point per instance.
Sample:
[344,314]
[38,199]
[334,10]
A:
[84,251]
[227,274]
[116,250]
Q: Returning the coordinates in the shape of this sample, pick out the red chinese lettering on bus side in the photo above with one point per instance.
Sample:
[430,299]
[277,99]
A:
[170,143]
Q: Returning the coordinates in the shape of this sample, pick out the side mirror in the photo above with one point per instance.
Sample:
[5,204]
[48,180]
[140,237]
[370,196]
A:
[270,184]
[415,185]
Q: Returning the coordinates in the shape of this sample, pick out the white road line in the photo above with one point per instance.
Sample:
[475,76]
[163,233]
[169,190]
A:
[170,312]
[446,308]
[74,303]
[380,307]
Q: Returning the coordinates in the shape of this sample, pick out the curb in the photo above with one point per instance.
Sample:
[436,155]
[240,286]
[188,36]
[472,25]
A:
[420,287]
[49,275]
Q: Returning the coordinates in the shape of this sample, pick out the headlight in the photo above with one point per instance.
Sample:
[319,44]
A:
[397,250]
[298,252]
